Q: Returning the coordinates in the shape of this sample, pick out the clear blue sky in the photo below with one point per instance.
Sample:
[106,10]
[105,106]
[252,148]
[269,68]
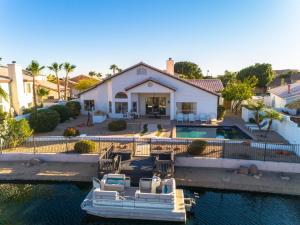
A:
[217,35]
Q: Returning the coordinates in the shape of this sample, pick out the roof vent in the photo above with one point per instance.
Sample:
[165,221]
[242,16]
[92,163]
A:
[13,62]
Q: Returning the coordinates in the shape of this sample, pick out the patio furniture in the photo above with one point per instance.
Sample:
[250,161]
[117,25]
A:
[262,123]
[203,117]
[185,117]
[263,127]
[212,117]
[191,117]
[179,117]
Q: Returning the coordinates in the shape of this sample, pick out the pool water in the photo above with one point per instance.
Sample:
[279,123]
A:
[222,132]
[59,204]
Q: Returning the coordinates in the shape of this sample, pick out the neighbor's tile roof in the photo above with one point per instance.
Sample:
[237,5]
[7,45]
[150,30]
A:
[49,85]
[282,91]
[214,85]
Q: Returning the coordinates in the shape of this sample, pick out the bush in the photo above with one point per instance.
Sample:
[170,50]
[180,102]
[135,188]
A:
[63,112]
[252,120]
[221,112]
[71,132]
[117,125]
[74,108]
[85,146]
[44,120]
[197,147]
[31,110]
[14,132]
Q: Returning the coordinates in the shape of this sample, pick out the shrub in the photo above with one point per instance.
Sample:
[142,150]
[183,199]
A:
[85,146]
[252,120]
[31,110]
[74,108]
[71,132]
[15,132]
[145,129]
[197,147]
[117,125]
[44,120]
[63,112]
[221,112]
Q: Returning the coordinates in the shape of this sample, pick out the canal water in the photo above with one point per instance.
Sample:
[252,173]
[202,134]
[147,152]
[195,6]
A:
[58,204]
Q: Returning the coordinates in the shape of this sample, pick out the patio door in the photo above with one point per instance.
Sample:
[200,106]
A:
[156,105]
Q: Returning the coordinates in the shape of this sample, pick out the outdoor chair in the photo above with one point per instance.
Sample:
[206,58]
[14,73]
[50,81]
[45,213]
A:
[203,117]
[263,127]
[191,117]
[179,117]
[262,123]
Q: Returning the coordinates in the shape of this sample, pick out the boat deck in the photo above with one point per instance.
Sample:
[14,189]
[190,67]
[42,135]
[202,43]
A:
[179,203]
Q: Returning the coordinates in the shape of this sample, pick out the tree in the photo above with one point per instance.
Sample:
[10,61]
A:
[272,115]
[55,67]
[114,68]
[68,69]
[42,92]
[3,94]
[188,70]
[237,92]
[51,78]
[227,77]
[85,84]
[257,107]
[94,74]
[35,70]
[263,72]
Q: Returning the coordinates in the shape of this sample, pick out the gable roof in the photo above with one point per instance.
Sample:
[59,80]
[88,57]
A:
[282,91]
[152,80]
[214,85]
[155,69]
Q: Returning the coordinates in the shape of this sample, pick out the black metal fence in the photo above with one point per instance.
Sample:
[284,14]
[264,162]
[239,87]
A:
[249,150]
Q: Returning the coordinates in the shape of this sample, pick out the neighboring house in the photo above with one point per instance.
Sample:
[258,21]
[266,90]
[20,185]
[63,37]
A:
[18,85]
[284,94]
[284,77]
[144,90]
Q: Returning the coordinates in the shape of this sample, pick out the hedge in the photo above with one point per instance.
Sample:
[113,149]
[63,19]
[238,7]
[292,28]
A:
[44,120]
[63,112]
[74,108]
[85,146]
[197,147]
[117,125]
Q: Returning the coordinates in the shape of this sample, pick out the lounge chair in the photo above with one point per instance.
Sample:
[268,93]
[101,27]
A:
[179,117]
[263,127]
[262,123]
[191,117]
[185,117]
[203,117]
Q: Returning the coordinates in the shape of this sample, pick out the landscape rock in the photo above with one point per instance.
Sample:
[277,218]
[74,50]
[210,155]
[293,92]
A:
[253,170]
[243,170]
[34,162]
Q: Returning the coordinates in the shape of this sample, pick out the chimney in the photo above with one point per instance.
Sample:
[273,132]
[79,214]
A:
[18,99]
[289,89]
[170,66]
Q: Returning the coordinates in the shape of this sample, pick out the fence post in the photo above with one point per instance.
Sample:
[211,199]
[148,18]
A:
[186,145]
[133,146]
[33,138]
[223,149]
[265,151]
[67,145]
[99,146]
[150,145]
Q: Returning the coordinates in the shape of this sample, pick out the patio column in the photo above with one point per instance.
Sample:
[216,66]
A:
[129,102]
[172,106]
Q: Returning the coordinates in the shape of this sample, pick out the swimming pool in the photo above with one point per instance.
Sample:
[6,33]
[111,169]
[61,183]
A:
[222,132]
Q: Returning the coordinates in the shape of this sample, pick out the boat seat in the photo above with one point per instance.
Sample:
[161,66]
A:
[100,194]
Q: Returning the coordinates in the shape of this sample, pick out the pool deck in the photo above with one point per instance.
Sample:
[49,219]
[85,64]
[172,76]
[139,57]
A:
[226,179]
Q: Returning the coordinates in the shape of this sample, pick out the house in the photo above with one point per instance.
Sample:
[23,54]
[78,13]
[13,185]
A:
[145,90]
[18,84]
[283,77]
[284,94]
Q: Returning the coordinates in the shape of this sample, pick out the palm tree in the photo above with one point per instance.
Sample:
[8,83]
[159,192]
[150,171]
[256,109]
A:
[3,94]
[69,69]
[272,115]
[42,92]
[257,107]
[114,68]
[35,69]
[55,67]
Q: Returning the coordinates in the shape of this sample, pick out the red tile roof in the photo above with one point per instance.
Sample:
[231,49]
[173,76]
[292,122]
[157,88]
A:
[214,85]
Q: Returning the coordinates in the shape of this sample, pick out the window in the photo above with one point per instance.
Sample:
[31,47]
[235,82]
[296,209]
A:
[134,107]
[121,95]
[27,88]
[89,105]
[141,71]
[121,107]
[186,107]
[109,107]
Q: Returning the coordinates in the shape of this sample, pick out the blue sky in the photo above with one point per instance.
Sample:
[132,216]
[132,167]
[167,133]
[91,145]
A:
[217,35]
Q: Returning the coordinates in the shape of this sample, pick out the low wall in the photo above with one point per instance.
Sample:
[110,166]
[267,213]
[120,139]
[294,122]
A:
[235,163]
[50,157]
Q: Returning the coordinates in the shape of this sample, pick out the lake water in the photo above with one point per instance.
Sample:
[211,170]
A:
[59,204]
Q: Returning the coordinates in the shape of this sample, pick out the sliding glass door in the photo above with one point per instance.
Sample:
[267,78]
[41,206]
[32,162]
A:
[156,105]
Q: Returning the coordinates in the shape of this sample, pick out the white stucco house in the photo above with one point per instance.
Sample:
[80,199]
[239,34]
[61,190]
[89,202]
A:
[18,84]
[284,94]
[144,90]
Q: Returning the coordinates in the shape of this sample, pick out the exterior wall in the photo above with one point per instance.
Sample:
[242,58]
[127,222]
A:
[4,105]
[206,102]
[277,102]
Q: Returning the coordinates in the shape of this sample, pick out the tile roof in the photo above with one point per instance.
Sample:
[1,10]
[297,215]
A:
[150,79]
[49,85]
[214,85]
[282,91]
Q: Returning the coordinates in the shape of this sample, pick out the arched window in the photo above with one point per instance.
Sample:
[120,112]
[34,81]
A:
[121,95]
